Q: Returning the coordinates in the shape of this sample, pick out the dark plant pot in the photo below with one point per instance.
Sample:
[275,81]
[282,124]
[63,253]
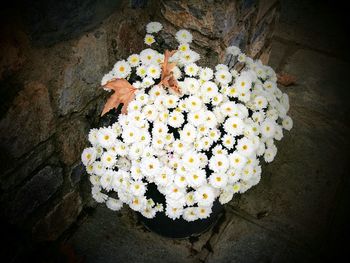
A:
[178,228]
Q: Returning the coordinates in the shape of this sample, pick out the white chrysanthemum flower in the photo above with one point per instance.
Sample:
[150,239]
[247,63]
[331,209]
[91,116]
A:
[197,118]
[130,134]
[135,151]
[233,50]
[97,195]
[206,74]
[260,102]
[209,89]
[188,133]
[107,78]
[153,27]
[150,166]
[165,177]
[233,176]
[183,47]
[191,70]
[150,112]
[114,204]
[228,141]
[142,98]
[176,119]
[149,39]
[148,56]
[180,147]
[170,101]
[270,154]
[258,116]
[205,195]
[219,67]
[93,137]
[190,214]
[183,36]
[189,57]
[107,179]
[174,212]
[214,134]
[204,211]
[287,123]
[217,99]
[138,188]
[156,91]
[197,178]
[177,73]
[243,83]
[134,60]
[191,161]
[147,82]
[149,212]
[223,76]
[106,137]
[121,148]
[121,69]
[174,192]
[133,106]
[225,197]
[245,147]
[141,71]
[153,71]
[206,143]
[88,156]
[242,57]
[108,159]
[237,160]
[267,128]
[180,180]
[234,126]
[193,103]
[136,172]
[219,163]
[228,108]
[159,129]
[191,85]
[137,203]
[270,86]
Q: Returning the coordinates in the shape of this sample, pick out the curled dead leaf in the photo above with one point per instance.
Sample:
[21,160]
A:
[286,79]
[167,78]
[124,93]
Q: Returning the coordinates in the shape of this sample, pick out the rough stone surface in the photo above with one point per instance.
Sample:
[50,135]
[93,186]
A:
[72,138]
[82,76]
[117,238]
[59,219]
[68,19]
[28,165]
[77,172]
[35,192]
[29,121]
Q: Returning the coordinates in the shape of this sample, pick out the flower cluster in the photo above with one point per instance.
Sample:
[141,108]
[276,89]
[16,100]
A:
[202,145]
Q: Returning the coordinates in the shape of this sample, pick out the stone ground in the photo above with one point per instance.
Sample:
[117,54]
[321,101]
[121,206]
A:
[298,211]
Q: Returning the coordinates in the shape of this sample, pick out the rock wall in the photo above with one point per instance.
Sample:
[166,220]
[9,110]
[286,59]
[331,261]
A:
[53,55]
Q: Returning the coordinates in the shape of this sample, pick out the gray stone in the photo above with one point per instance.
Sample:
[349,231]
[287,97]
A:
[50,22]
[59,218]
[243,241]
[23,168]
[82,75]
[28,122]
[109,236]
[72,138]
[34,193]
[76,173]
